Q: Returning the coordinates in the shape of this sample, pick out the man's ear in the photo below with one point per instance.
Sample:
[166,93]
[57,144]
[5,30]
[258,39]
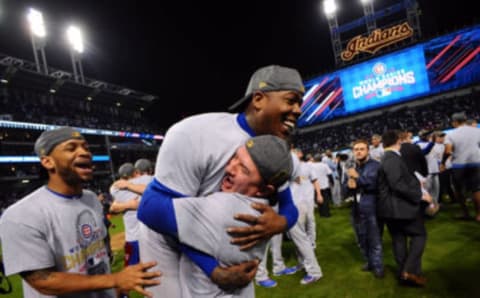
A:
[266,191]
[258,99]
[47,162]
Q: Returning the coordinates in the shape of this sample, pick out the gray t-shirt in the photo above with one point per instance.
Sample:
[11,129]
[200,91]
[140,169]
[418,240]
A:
[209,217]
[466,146]
[45,230]
[202,224]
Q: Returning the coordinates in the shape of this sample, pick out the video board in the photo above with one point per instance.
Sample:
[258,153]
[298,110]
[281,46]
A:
[439,65]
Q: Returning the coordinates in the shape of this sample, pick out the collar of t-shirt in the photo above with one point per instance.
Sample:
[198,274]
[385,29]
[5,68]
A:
[69,197]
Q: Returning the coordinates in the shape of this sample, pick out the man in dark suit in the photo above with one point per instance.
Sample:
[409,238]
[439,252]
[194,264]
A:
[413,155]
[399,205]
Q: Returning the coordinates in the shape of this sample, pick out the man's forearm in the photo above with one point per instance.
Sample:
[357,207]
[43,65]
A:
[119,207]
[236,276]
[136,188]
[50,282]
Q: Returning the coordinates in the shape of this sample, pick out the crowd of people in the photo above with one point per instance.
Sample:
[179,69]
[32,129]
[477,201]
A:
[433,115]
[19,104]
[224,188]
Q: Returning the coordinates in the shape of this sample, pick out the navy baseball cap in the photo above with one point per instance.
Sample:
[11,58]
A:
[271,78]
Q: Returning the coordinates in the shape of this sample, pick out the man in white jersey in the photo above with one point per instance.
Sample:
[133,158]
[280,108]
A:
[130,222]
[305,203]
[376,148]
[143,176]
[325,179]
[427,143]
[54,237]
[126,193]
[190,163]
[303,190]
[463,144]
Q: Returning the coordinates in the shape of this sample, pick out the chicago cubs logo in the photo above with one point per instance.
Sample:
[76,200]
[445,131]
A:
[379,68]
[87,228]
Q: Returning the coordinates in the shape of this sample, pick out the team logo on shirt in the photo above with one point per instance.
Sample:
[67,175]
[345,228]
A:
[87,228]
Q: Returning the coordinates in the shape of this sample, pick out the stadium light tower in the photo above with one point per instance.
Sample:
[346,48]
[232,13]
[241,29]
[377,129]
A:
[75,39]
[38,35]
[368,11]
[330,9]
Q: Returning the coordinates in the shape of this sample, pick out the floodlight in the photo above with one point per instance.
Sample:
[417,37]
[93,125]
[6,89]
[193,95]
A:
[74,36]
[329,7]
[37,26]
[366,1]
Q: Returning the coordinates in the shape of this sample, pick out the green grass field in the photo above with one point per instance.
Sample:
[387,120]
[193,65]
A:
[451,262]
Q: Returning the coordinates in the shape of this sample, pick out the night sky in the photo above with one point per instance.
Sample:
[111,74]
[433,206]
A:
[197,56]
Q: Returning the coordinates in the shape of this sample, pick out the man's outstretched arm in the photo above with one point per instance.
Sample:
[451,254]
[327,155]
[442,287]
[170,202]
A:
[50,282]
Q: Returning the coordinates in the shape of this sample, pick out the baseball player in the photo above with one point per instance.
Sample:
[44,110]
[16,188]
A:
[463,143]
[136,177]
[54,237]
[191,160]
[303,196]
[143,170]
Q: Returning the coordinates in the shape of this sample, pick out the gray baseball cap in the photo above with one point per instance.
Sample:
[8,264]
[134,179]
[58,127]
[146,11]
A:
[271,78]
[143,165]
[272,157]
[459,117]
[423,133]
[49,139]
[126,170]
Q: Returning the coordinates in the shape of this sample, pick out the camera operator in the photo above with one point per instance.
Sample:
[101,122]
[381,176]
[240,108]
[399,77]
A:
[362,185]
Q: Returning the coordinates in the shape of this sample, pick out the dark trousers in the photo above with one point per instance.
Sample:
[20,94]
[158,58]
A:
[445,178]
[324,208]
[368,236]
[408,241]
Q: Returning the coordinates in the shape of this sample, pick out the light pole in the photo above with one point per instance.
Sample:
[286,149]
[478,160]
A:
[75,39]
[330,9]
[38,34]
[369,11]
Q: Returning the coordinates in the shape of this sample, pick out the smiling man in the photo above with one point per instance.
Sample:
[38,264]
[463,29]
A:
[55,236]
[191,163]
